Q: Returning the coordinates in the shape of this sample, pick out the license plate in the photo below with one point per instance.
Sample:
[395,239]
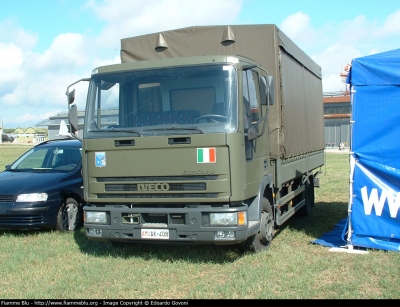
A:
[155,234]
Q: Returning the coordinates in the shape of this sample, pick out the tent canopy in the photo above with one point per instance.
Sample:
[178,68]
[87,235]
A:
[378,69]
[374,205]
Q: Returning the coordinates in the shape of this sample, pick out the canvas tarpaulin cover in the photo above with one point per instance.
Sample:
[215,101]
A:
[374,196]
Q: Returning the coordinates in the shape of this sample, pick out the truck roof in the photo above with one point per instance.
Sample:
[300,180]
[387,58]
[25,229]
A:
[259,42]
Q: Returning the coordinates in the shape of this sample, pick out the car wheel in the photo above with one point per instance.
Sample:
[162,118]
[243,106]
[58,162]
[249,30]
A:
[69,216]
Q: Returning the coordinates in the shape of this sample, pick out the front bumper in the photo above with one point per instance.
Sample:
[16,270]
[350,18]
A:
[26,216]
[184,225]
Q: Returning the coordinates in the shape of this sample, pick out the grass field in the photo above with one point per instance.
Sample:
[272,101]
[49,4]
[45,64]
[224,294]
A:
[48,264]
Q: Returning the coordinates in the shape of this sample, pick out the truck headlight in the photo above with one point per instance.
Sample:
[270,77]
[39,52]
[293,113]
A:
[228,219]
[31,198]
[95,217]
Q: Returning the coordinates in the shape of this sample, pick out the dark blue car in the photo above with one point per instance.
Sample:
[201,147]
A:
[43,188]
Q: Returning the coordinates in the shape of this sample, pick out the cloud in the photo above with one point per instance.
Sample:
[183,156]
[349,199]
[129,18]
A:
[299,29]
[10,56]
[368,36]
[332,60]
[355,32]
[41,79]
[297,26]
[65,52]
[14,46]
[36,82]
[132,18]
[11,59]
[27,117]
[10,32]
[390,27]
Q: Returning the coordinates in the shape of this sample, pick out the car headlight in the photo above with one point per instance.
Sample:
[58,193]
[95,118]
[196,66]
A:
[228,219]
[31,198]
[95,217]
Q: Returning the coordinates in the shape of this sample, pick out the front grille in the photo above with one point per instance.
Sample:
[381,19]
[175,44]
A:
[20,219]
[159,195]
[172,187]
[158,178]
[157,187]
[6,198]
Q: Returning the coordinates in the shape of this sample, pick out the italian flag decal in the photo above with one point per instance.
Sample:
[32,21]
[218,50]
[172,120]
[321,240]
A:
[206,155]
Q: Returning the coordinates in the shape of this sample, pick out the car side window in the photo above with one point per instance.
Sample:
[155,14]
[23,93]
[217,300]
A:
[66,158]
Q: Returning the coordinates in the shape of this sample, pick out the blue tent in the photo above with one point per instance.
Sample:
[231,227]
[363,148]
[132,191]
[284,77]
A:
[374,198]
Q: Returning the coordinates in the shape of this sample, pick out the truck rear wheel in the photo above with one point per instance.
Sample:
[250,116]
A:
[308,197]
[261,240]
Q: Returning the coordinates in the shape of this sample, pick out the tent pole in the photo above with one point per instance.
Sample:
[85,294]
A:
[351,181]
[351,174]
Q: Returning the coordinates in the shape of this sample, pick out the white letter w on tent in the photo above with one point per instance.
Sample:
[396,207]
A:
[378,203]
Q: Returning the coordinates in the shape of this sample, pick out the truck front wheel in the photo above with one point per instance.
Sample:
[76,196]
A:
[261,240]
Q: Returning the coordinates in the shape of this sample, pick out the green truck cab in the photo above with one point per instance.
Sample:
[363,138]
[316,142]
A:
[186,141]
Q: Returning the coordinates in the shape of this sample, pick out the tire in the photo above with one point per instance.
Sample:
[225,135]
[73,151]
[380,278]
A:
[311,194]
[308,197]
[69,217]
[262,240]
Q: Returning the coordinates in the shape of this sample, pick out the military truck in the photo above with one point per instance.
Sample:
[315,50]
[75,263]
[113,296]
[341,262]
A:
[205,135]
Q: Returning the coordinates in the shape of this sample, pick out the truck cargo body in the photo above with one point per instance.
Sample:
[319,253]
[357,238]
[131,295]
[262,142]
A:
[216,137]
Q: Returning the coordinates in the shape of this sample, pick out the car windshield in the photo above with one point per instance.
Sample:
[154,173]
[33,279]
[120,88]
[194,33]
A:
[48,159]
[181,100]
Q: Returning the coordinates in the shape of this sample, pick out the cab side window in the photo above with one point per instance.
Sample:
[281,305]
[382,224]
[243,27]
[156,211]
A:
[251,97]
[251,109]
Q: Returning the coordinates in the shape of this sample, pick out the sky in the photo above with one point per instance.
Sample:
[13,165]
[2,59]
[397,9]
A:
[47,45]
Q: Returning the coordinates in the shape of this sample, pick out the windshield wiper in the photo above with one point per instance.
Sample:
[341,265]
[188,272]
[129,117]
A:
[41,169]
[175,128]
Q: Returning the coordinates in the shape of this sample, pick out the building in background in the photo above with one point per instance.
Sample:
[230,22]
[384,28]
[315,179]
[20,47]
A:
[53,125]
[108,116]
[27,136]
[337,113]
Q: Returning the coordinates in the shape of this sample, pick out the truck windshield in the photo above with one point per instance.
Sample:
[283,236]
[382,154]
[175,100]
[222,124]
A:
[180,100]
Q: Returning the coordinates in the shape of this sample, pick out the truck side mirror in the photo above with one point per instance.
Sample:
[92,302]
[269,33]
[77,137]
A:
[73,109]
[271,87]
[263,90]
[267,90]
[71,96]
[73,118]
